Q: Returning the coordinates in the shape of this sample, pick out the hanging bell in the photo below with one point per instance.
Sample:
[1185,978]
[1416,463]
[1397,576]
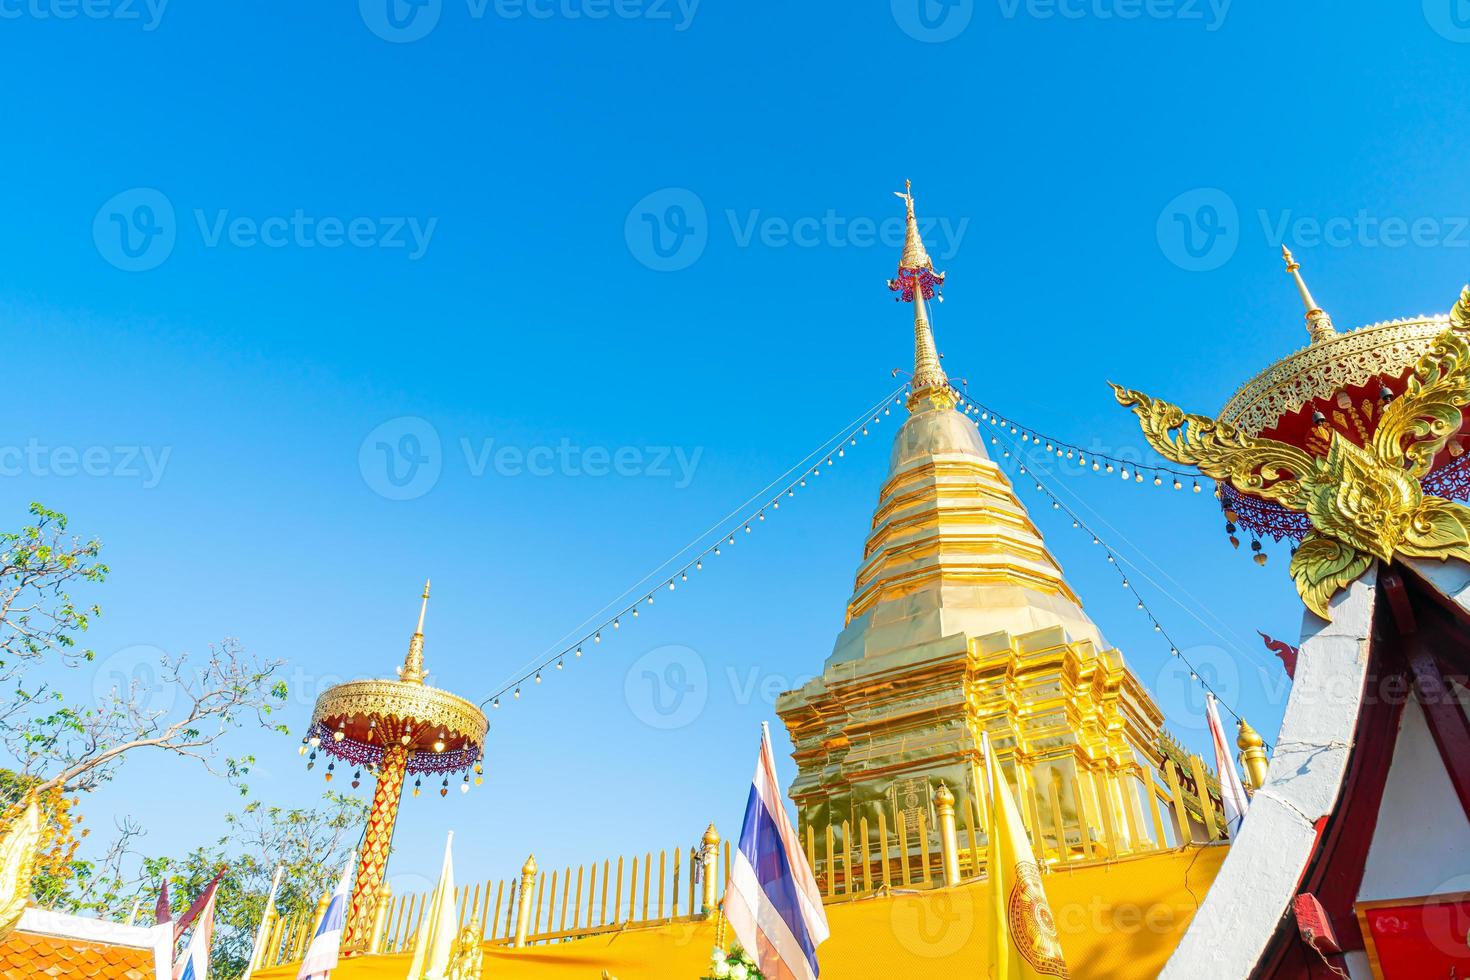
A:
[1385,395]
[1318,418]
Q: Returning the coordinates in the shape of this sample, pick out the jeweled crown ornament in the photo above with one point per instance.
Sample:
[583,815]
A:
[394,728]
[1350,446]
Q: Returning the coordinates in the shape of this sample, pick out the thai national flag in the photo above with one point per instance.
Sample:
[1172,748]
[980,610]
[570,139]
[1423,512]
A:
[772,901]
[326,945]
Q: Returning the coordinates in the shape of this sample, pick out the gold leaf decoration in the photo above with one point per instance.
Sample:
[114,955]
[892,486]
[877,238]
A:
[1322,566]
[1364,502]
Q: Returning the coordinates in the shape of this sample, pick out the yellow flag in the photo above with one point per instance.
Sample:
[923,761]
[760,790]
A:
[1026,943]
[433,948]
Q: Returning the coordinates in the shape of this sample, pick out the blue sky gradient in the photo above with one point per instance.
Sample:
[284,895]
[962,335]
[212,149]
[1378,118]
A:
[247,241]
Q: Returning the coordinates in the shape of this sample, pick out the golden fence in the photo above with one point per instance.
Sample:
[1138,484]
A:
[932,847]
[653,888]
[937,848]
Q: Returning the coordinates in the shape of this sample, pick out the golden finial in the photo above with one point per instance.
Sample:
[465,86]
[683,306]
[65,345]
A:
[412,670]
[916,282]
[1252,755]
[1319,324]
[711,836]
[529,868]
[915,256]
[942,796]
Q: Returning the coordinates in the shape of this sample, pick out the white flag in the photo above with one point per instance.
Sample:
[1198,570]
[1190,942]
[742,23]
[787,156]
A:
[1232,793]
[326,945]
[258,948]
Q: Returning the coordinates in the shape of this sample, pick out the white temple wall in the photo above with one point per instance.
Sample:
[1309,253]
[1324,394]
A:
[1421,845]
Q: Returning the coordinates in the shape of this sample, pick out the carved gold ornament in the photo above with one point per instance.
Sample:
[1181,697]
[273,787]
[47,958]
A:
[1364,502]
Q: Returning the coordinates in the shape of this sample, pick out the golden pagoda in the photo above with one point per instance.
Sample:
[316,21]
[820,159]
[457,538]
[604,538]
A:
[961,623]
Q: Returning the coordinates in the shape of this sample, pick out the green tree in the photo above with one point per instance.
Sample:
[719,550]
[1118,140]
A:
[312,844]
[59,748]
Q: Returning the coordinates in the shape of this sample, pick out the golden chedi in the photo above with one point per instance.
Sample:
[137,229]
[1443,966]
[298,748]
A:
[961,622]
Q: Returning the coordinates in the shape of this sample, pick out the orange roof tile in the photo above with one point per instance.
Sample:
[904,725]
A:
[28,955]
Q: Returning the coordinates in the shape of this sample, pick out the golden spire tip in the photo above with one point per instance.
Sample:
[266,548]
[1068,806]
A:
[1319,324]
[423,607]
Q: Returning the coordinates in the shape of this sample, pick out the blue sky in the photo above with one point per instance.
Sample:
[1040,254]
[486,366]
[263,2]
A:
[248,241]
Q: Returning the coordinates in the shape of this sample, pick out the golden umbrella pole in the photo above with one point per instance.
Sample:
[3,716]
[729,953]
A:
[375,847]
[397,728]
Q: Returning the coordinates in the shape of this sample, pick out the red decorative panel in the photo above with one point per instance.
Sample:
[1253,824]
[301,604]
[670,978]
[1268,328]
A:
[1417,938]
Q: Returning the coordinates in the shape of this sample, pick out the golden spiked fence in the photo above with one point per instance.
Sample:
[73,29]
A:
[1176,804]
[632,891]
[927,847]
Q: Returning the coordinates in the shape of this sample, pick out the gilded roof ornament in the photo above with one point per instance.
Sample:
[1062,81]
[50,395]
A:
[1364,500]
[1319,324]
[916,282]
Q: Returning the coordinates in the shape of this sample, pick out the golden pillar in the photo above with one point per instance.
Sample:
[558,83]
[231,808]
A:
[523,908]
[949,845]
[380,918]
[399,728]
[1253,756]
[709,856]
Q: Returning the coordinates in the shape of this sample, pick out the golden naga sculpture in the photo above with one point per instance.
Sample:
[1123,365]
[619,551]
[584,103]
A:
[1363,501]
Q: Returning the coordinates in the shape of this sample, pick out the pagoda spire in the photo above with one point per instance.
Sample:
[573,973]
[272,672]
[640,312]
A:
[916,282]
[1319,324]
[412,670]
